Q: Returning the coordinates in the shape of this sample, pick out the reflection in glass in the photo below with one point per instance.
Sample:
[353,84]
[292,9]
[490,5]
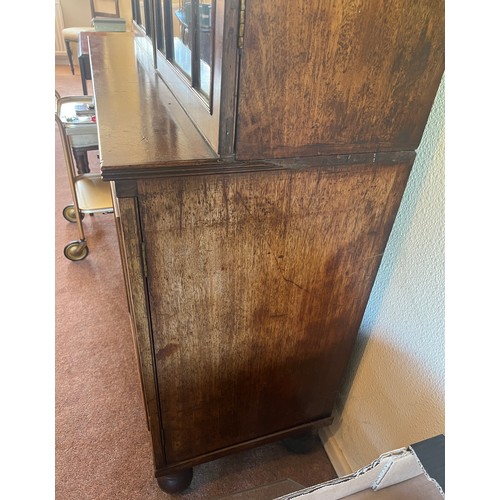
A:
[188,40]
[206,44]
[160,36]
[142,14]
[182,34]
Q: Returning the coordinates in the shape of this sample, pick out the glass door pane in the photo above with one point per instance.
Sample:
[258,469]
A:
[182,33]
[142,14]
[160,24]
[205,30]
[185,33]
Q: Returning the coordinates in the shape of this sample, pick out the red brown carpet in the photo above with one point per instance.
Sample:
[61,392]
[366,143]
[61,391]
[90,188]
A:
[102,442]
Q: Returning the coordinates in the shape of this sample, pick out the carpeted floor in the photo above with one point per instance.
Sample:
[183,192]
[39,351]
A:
[102,442]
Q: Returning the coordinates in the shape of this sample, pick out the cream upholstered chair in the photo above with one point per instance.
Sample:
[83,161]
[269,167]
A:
[70,35]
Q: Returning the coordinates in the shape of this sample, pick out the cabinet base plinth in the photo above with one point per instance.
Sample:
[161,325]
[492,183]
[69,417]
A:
[175,482]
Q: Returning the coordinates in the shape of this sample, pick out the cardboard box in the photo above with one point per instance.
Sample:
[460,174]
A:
[396,475]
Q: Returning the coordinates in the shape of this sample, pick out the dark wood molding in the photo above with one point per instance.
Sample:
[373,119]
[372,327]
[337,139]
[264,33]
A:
[136,172]
[277,436]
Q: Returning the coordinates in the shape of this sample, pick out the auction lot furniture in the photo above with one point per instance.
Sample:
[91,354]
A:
[254,196]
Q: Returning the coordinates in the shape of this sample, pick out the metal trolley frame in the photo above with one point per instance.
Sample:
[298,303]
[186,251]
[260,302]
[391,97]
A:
[90,193]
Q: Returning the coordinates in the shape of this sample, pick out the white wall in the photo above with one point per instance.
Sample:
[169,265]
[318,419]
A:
[394,395]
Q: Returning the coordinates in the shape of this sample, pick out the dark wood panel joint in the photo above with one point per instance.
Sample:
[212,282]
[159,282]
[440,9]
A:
[144,262]
[125,188]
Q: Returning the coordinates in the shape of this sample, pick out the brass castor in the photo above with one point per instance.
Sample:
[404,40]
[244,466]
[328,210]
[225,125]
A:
[69,213]
[76,250]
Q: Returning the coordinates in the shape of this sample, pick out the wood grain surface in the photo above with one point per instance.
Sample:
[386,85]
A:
[139,120]
[257,285]
[337,76]
[130,234]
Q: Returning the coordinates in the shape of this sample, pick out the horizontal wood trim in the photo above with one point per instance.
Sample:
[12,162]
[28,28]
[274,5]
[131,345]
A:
[244,446]
[311,150]
[162,169]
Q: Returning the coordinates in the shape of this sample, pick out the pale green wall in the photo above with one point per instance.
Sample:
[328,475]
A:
[395,390]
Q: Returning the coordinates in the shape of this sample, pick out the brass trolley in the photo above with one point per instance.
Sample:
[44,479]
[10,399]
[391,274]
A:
[90,193]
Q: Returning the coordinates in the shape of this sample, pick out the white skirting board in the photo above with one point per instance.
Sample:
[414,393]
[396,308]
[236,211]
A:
[61,58]
[60,47]
[335,453]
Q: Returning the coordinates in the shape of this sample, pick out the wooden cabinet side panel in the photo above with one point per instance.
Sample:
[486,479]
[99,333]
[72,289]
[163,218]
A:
[126,278]
[337,76]
[257,285]
[132,256]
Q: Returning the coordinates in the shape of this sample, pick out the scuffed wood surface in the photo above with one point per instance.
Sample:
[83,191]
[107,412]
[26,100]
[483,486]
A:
[257,285]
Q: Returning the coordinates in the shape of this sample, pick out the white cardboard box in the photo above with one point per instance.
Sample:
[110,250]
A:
[395,475]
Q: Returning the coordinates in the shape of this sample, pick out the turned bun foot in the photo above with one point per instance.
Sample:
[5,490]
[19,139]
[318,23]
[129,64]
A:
[175,482]
[304,443]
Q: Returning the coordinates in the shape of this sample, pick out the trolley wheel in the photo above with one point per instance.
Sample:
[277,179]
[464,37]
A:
[76,250]
[69,213]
